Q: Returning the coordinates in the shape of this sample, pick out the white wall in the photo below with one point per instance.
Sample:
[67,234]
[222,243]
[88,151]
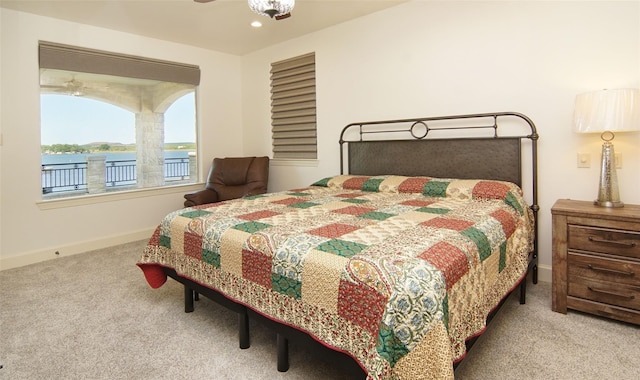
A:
[430,58]
[423,58]
[30,233]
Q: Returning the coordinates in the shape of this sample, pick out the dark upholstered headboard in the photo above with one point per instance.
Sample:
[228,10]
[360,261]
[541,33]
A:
[486,158]
[474,146]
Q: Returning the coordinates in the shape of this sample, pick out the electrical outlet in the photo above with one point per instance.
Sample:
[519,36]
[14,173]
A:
[584,160]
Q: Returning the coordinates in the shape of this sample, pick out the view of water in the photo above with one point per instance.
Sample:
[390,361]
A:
[48,159]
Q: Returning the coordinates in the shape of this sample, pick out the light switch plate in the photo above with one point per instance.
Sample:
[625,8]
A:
[584,160]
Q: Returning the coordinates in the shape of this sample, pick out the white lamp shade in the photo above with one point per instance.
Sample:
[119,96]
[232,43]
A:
[607,110]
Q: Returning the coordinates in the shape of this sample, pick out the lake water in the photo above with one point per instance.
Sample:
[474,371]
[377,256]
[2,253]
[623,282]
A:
[48,159]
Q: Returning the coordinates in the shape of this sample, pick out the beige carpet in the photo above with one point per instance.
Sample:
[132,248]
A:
[92,316]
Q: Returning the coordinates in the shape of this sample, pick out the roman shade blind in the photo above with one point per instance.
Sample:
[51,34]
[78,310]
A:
[72,58]
[293,108]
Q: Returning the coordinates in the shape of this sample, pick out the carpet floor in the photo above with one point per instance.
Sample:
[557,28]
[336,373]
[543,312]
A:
[93,316]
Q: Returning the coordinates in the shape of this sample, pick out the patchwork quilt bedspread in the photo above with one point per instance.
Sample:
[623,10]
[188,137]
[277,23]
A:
[395,271]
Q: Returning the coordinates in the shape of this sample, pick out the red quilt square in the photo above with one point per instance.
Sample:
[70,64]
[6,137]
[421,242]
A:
[289,201]
[361,305]
[450,224]
[354,210]
[507,220]
[490,190]
[193,245]
[334,230]
[413,185]
[449,259]
[354,183]
[256,267]
[258,215]
[417,203]
[155,238]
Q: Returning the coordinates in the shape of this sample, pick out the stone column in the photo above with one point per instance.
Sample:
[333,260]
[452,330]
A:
[193,167]
[96,174]
[150,149]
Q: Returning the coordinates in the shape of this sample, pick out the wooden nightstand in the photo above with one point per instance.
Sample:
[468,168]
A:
[596,259]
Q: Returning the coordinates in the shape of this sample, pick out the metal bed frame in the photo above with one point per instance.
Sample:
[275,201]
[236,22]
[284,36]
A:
[442,147]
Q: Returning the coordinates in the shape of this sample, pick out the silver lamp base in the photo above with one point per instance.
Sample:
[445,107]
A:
[608,195]
[608,204]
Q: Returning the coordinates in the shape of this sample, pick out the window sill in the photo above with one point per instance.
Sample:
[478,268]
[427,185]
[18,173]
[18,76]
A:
[116,196]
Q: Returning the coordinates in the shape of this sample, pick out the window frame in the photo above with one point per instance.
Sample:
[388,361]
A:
[79,60]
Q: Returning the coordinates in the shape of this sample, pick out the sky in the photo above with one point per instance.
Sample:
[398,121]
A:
[76,120]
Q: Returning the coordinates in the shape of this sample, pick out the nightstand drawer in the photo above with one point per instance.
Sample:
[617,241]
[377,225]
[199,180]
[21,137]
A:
[606,292]
[617,242]
[604,269]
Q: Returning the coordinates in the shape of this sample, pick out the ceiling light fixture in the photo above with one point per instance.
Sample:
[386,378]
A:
[272,8]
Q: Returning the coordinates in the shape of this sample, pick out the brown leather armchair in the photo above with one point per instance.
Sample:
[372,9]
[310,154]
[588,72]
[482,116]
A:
[230,178]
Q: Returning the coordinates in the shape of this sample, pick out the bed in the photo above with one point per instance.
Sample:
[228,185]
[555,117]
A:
[396,262]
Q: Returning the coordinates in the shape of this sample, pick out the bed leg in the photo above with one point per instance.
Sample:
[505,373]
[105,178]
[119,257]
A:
[196,296]
[283,353]
[535,273]
[188,299]
[243,329]
[523,290]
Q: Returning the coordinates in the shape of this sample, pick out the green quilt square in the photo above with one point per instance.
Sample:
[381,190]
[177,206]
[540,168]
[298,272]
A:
[165,241]
[303,205]
[323,182]
[445,311]
[211,257]
[195,214]
[341,247]
[512,201]
[286,286]
[376,215]
[355,200]
[299,194]
[389,346]
[435,189]
[372,184]
[480,240]
[251,227]
[433,210]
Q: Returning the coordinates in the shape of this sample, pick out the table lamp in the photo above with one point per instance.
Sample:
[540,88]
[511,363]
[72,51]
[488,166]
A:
[607,111]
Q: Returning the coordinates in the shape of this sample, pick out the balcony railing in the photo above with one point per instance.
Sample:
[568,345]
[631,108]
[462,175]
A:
[57,178]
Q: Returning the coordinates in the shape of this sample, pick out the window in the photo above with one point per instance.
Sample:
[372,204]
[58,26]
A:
[293,108]
[113,122]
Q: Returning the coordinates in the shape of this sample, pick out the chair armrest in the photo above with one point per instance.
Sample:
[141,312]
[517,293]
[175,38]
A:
[200,197]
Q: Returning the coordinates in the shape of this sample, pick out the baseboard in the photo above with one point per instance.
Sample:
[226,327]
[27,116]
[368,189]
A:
[71,249]
[544,273]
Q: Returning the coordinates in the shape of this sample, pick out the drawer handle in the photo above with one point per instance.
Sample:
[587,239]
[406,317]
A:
[614,242]
[607,270]
[627,296]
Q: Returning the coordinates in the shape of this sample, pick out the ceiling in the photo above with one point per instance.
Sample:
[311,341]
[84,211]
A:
[221,25]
